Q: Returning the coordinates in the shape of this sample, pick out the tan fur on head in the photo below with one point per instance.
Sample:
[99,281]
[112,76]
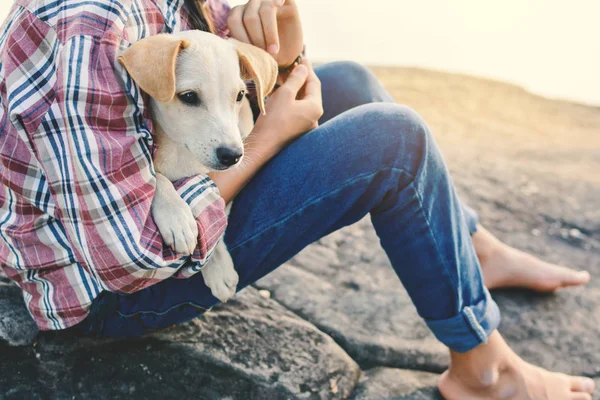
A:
[197,97]
[151,63]
[257,65]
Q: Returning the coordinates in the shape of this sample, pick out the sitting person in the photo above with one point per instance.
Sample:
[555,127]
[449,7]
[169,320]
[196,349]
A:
[77,182]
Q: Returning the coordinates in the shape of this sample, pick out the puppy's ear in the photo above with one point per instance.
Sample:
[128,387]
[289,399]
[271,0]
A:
[257,65]
[151,64]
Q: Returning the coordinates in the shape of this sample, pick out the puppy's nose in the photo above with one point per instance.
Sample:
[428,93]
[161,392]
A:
[228,156]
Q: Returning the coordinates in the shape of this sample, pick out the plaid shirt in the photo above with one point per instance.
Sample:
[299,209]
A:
[76,173]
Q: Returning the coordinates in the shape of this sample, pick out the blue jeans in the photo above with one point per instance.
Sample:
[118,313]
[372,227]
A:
[369,155]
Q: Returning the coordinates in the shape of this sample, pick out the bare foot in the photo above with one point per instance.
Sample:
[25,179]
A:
[493,371]
[504,266]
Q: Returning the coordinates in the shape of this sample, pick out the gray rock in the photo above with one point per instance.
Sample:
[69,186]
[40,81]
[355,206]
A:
[397,384]
[250,348]
[16,326]
[528,165]
[362,306]
[558,332]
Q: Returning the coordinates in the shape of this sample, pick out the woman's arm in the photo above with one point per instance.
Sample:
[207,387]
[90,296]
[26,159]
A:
[91,142]
[292,110]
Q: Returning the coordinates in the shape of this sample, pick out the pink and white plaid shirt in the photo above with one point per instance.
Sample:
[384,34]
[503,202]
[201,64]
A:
[76,173]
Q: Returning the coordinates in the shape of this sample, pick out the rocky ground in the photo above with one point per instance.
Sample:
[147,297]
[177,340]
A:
[335,322]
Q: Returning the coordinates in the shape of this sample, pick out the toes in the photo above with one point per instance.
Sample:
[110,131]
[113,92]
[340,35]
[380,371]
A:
[232,283]
[575,278]
[584,385]
[179,243]
[231,280]
[169,240]
[223,293]
[192,241]
[184,242]
[194,227]
[581,396]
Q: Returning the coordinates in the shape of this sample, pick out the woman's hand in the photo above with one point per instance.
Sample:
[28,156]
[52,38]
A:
[293,109]
[273,25]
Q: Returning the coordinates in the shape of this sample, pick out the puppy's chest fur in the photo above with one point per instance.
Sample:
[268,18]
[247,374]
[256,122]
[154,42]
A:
[173,160]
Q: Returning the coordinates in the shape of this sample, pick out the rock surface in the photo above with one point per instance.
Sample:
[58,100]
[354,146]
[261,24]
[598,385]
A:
[16,326]
[251,348]
[397,384]
[529,165]
[356,298]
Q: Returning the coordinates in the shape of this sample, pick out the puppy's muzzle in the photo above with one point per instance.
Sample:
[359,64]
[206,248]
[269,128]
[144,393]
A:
[229,156]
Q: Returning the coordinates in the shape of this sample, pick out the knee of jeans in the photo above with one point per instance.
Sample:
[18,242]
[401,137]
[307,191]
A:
[395,132]
[353,82]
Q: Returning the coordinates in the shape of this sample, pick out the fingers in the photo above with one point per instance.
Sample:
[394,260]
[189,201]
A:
[268,18]
[256,23]
[312,96]
[296,80]
[312,90]
[236,25]
[253,24]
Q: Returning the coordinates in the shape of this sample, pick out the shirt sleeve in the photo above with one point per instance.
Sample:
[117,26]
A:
[96,154]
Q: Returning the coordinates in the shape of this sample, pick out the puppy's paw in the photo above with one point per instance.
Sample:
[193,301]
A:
[230,276]
[177,227]
[221,291]
[220,275]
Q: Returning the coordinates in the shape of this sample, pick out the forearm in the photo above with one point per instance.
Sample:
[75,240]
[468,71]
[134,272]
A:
[258,150]
[292,110]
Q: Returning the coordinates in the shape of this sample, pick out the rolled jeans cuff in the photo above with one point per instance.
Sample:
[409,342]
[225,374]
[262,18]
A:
[470,328]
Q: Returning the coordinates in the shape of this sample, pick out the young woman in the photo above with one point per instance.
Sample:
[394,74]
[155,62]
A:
[76,184]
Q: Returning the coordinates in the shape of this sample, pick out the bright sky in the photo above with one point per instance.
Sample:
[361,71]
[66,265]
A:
[549,46]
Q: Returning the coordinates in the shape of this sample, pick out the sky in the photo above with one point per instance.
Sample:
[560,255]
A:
[551,47]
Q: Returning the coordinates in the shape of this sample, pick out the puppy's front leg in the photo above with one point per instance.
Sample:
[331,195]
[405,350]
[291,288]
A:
[173,217]
[219,274]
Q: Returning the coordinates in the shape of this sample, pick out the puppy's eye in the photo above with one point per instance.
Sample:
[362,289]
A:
[240,96]
[189,98]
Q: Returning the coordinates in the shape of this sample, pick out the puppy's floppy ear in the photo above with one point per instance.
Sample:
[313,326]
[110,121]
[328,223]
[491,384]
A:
[257,65]
[151,63]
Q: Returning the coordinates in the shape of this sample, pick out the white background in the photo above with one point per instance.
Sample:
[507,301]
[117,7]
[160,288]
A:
[551,47]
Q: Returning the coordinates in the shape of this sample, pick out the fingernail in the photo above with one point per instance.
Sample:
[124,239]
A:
[273,49]
[279,2]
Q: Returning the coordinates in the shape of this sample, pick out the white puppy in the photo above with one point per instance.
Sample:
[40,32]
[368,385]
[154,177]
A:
[201,116]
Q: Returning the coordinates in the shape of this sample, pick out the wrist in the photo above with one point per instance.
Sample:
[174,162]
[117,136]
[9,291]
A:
[263,143]
[288,67]
[260,150]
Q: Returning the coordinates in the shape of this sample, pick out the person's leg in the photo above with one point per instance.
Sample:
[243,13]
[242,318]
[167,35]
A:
[347,85]
[377,158]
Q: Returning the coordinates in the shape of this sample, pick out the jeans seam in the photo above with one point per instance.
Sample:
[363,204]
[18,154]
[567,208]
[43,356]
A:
[453,287]
[316,200]
[160,313]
